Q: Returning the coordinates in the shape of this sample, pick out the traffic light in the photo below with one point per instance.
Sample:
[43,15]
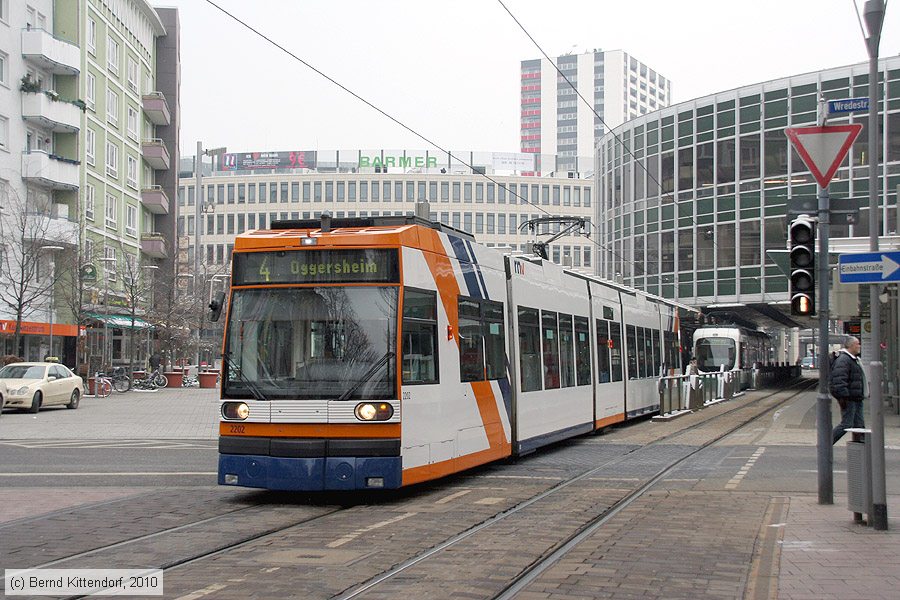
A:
[802,238]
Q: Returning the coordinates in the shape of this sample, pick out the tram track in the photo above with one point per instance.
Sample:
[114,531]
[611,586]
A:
[209,546]
[564,546]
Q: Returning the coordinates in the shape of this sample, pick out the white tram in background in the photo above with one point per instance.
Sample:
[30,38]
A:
[731,348]
[382,352]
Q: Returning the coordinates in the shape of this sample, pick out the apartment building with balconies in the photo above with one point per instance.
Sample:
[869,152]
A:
[88,129]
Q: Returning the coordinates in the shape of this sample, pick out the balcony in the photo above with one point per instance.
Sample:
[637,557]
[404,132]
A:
[154,245]
[156,108]
[56,229]
[43,111]
[49,53]
[155,154]
[155,200]
[49,170]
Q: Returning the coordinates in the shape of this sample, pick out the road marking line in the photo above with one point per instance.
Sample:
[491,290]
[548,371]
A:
[490,501]
[736,480]
[452,497]
[212,589]
[352,536]
[120,474]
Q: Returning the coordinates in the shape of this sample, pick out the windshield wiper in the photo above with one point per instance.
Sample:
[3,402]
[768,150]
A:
[368,375]
[254,390]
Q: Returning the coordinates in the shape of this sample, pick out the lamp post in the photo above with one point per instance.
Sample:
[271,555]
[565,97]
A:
[104,352]
[873,14]
[198,209]
[52,250]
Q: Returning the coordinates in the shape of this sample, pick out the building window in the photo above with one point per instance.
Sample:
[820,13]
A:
[131,220]
[89,202]
[109,266]
[112,211]
[112,159]
[133,75]
[90,147]
[4,67]
[90,90]
[112,55]
[132,123]
[132,174]
[112,107]
[92,37]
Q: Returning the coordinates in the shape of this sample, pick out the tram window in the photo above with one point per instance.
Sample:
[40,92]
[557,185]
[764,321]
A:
[419,362]
[631,352]
[604,347]
[494,340]
[582,351]
[566,352]
[642,351]
[550,347]
[471,344]
[655,342]
[615,350]
[529,349]
[608,313]
[670,351]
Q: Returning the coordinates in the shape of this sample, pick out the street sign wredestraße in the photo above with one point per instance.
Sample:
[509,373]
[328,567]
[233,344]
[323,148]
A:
[847,105]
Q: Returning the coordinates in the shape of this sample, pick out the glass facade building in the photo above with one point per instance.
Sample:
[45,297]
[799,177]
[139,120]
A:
[691,197]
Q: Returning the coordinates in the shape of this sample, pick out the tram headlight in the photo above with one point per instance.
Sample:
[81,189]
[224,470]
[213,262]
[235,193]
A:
[369,411]
[235,410]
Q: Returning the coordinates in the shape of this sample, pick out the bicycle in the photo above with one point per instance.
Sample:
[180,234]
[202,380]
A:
[158,378]
[120,381]
[102,385]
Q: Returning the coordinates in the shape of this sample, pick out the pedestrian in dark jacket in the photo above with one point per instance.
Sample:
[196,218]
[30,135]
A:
[848,385]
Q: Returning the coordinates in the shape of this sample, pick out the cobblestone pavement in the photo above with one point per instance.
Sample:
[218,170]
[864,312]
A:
[738,520]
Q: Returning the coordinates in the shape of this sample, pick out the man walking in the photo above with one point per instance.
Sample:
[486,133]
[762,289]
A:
[848,385]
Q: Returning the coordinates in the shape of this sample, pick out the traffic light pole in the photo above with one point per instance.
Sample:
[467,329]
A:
[823,399]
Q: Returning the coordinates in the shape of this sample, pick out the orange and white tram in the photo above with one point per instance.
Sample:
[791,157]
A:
[385,351]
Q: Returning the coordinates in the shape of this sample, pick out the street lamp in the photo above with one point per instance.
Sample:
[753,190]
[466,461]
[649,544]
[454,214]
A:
[52,250]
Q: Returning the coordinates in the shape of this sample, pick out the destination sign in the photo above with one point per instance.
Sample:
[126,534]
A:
[316,266]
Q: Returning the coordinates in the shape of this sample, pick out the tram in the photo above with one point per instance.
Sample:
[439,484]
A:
[731,348]
[381,352]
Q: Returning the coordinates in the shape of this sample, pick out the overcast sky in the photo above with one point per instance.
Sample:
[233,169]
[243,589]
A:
[450,70]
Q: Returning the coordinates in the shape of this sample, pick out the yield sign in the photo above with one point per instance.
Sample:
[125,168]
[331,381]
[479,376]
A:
[823,148]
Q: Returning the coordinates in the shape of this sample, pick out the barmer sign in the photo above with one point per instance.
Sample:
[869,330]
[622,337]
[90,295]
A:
[427,162]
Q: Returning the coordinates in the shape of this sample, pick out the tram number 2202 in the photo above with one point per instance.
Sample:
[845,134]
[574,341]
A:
[237,428]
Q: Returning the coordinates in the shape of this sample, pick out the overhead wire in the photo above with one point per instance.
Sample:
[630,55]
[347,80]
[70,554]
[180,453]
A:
[511,190]
[616,138]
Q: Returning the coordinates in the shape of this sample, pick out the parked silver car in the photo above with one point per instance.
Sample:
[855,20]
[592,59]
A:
[33,385]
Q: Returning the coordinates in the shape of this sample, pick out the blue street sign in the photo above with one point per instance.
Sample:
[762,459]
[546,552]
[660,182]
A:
[847,105]
[871,267]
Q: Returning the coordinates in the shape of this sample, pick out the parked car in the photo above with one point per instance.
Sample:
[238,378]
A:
[808,362]
[3,395]
[33,385]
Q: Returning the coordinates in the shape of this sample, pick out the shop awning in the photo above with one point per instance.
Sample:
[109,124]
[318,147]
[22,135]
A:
[120,321]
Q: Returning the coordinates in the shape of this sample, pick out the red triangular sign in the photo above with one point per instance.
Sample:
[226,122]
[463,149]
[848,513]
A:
[823,148]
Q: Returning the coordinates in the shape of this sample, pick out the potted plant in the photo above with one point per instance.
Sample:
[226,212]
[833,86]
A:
[29,85]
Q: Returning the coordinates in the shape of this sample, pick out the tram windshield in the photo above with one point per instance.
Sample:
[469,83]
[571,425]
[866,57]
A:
[312,343]
[712,353]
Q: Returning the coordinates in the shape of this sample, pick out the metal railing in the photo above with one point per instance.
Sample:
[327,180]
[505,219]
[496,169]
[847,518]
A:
[678,393]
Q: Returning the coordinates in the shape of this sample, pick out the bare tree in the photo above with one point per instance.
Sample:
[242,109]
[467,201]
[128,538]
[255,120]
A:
[137,285]
[23,282]
[82,275]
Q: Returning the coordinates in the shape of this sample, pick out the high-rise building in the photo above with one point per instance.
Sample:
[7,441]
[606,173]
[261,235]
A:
[88,125]
[560,127]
